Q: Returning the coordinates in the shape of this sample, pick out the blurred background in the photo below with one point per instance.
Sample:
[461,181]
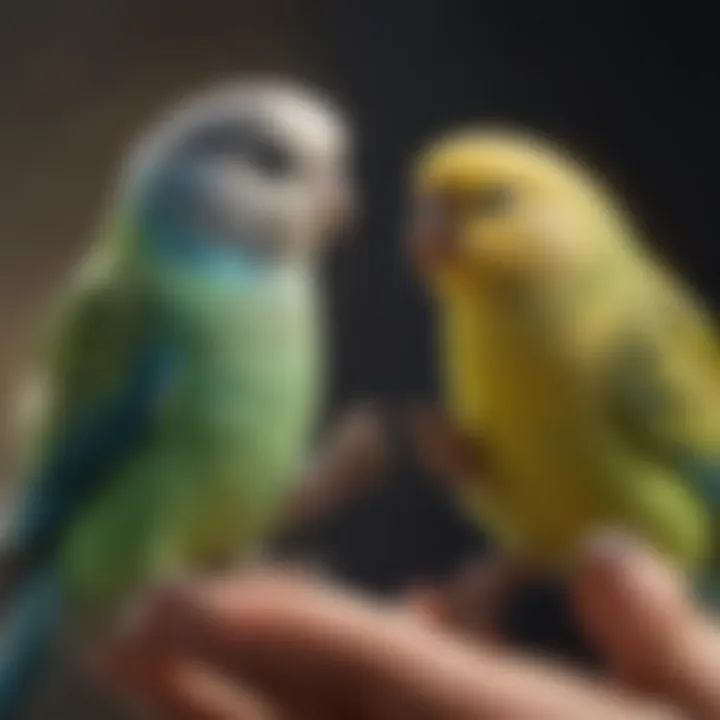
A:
[634,91]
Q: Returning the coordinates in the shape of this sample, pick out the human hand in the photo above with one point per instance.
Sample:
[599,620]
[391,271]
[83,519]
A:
[279,645]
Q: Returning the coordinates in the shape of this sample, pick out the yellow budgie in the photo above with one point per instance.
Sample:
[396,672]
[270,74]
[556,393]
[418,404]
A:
[581,373]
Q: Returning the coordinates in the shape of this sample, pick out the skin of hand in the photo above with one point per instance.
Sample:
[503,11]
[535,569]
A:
[273,644]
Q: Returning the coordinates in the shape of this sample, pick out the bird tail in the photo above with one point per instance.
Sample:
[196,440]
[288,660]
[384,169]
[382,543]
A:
[31,617]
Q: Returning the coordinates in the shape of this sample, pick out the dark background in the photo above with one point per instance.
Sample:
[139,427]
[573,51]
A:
[633,90]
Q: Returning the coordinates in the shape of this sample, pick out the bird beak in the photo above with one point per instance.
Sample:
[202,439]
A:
[429,235]
[338,208]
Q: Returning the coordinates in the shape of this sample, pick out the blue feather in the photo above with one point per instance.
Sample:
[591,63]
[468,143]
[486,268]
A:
[704,476]
[78,466]
[85,454]
[177,228]
[28,630]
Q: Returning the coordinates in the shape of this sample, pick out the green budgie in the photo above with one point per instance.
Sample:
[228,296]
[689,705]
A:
[181,385]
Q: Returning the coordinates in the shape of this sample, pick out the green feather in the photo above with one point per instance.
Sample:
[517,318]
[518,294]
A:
[229,433]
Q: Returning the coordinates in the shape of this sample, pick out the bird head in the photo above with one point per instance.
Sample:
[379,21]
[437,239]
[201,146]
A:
[506,208]
[258,169]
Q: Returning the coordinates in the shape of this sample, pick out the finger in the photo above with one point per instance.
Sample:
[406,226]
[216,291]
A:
[480,594]
[473,602]
[179,688]
[355,657]
[427,606]
[639,612]
[274,631]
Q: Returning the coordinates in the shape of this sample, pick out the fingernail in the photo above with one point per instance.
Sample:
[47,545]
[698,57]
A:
[625,568]
[613,546]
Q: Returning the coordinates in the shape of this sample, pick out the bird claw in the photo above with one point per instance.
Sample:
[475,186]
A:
[351,462]
[443,449]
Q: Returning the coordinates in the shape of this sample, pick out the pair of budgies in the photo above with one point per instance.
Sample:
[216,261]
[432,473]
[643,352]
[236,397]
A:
[182,380]
[183,377]
[581,377]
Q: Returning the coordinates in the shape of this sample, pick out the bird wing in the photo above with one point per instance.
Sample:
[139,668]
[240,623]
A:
[664,391]
[103,375]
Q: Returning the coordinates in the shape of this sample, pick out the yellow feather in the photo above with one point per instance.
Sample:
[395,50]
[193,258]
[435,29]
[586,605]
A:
[536,298]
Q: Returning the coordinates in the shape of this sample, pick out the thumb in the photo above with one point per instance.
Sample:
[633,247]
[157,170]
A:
[639,613]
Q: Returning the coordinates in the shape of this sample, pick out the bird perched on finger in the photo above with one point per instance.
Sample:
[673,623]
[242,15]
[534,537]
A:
[581,374]
[183,376]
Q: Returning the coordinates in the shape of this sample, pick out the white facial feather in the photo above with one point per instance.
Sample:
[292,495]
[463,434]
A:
[306,124]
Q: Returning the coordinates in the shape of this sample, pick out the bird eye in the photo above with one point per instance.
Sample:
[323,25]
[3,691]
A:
[268,156]
[494,201]
[243,142]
